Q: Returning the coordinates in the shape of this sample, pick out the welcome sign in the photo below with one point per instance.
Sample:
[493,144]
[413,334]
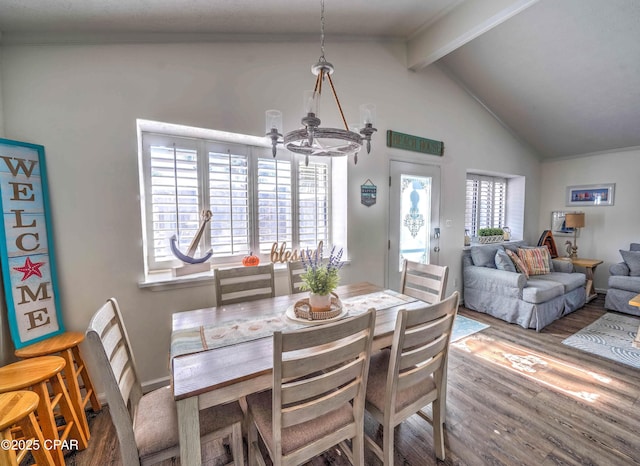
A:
[28,263]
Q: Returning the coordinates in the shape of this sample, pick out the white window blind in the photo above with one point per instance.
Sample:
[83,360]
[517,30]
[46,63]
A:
[174,197]
[255,200]
[229,203]
[275,203]
[486,202]
[313,207]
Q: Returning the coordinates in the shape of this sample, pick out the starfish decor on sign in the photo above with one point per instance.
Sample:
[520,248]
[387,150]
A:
[30,268]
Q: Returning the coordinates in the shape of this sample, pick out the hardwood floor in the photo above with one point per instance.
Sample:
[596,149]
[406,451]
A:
[579,409]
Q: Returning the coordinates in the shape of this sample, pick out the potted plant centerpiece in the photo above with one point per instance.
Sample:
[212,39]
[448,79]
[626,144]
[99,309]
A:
[321,277]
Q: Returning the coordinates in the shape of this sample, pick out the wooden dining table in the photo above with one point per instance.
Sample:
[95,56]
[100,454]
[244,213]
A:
[228,373]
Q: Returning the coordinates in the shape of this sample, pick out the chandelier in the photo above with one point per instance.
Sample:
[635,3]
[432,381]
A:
[312,139]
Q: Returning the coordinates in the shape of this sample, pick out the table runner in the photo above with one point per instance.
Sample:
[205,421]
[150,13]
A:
[204,338]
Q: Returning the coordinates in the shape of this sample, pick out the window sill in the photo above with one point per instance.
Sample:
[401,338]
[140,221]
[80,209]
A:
[164,280]
[512,240]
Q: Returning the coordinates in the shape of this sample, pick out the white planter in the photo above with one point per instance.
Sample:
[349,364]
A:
[490,239]
[320,302]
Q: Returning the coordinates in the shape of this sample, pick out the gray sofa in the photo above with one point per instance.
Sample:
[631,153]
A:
[510,296]
[623,285]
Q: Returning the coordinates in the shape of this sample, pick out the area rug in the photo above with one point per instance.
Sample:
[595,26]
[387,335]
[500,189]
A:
[463,327]
[610,337]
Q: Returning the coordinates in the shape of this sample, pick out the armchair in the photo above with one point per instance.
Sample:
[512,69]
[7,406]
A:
[624,284]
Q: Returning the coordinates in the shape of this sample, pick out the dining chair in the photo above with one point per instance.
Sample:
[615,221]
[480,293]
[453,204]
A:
[412,374]
[239,284]
[295,269]
[317,401]
[427,282]
[147,424]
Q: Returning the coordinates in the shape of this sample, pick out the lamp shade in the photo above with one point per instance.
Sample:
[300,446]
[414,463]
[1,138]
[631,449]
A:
[574,220]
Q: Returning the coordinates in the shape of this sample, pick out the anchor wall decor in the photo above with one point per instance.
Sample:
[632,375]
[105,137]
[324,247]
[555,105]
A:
[192,264]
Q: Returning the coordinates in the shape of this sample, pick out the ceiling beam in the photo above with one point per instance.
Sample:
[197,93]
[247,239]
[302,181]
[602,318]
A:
[461,25]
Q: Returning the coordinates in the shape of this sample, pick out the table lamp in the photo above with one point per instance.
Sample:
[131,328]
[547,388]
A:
[574,220]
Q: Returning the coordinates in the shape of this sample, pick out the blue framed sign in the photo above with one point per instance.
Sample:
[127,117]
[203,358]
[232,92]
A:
[28,262]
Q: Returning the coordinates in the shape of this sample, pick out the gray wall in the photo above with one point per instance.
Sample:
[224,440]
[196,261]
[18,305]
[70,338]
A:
[607,228]
[81,103]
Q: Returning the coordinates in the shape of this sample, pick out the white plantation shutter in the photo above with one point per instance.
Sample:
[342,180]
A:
[486,202]
[173,171]
[313,204]
[229,203]
[255,200]
[275,203]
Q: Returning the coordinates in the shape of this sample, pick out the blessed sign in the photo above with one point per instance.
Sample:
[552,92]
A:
[28,265]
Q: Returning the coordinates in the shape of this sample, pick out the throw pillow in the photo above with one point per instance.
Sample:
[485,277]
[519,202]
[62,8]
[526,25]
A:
[634,247]
[484,256]
[503,262]
[632,259]
[520,266]
[536,259]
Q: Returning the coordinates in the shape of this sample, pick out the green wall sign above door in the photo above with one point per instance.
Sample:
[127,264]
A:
[414,143]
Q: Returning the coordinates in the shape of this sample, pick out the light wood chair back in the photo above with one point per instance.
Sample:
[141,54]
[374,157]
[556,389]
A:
[412,374]
[319,381]
[240,284]
[146,424]
[109,342]
[18,409]
[295,269]
[427,282]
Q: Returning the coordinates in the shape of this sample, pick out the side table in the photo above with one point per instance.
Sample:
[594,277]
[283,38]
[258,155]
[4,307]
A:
[590,267]
[635,301]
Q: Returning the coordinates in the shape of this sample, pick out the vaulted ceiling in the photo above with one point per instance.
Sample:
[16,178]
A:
[562,75]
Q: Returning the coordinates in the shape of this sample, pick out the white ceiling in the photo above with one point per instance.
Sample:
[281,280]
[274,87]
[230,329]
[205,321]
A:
[562,75]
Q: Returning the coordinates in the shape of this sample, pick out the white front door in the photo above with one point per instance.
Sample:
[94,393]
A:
[414,216]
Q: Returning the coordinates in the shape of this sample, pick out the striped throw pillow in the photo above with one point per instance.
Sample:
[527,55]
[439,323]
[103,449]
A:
[520,266]
[537,260]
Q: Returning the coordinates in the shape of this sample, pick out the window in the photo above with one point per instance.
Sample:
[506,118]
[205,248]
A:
[255,200]
[486,202]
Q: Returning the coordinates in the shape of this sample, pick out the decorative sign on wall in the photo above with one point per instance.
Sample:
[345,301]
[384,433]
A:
[414,143]
[368,193]
[28,263]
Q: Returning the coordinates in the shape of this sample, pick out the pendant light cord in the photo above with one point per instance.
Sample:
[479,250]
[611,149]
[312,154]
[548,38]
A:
[322,59]
[322,74]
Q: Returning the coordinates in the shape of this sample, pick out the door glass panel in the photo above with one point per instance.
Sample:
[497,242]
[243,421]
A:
[415,219]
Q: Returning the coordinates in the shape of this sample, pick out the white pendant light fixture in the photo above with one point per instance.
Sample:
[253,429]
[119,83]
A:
[313,139]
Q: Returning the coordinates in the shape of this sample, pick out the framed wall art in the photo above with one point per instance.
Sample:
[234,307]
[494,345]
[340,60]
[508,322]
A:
[591,195]
[28,262]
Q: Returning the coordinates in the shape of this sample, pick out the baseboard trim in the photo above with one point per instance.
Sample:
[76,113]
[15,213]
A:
[154,384]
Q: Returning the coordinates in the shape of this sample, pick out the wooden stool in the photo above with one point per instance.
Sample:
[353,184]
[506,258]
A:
[66,345]
[38,374]
[16,409]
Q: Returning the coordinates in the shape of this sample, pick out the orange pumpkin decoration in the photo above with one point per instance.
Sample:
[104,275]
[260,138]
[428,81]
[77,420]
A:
[250,260]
